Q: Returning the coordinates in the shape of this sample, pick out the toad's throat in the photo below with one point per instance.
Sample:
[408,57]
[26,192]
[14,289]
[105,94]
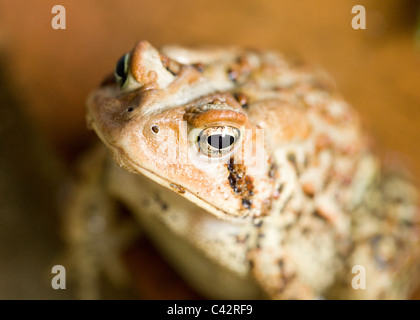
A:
[240,183]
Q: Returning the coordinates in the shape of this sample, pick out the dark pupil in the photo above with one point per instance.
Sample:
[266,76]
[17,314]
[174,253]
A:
[220,141]
[120,69]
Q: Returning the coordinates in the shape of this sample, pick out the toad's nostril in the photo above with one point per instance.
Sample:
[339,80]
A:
[155,128]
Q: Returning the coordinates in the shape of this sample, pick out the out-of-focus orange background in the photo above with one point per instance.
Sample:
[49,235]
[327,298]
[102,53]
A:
[47,74]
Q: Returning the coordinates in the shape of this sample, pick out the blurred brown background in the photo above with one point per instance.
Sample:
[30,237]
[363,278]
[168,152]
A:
[46,75]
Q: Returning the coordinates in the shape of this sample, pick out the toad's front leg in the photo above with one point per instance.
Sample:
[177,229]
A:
[94,230]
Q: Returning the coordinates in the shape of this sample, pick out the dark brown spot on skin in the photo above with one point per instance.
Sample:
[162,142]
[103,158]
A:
[233,75]
[246,203]
[177,188]
[272,171]
[266,206]
[242,99]
[240,183]
[406,223]
[258,223]
[385,251]
[199,66]
[328,178]
[123,212]
[306,162]
[249,185]
[241,68]
[398,200]
[163,204]
[319,214]
[242,238]
[289,226]
[280,89]
[308,189]
[292,159]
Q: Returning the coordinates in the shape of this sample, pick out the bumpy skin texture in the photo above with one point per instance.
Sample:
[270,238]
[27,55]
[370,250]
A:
[298,201]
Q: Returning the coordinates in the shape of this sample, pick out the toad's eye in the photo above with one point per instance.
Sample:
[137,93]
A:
[218,141]
[121,69]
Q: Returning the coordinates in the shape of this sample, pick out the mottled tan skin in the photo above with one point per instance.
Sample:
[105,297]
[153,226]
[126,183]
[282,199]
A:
[286,218]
